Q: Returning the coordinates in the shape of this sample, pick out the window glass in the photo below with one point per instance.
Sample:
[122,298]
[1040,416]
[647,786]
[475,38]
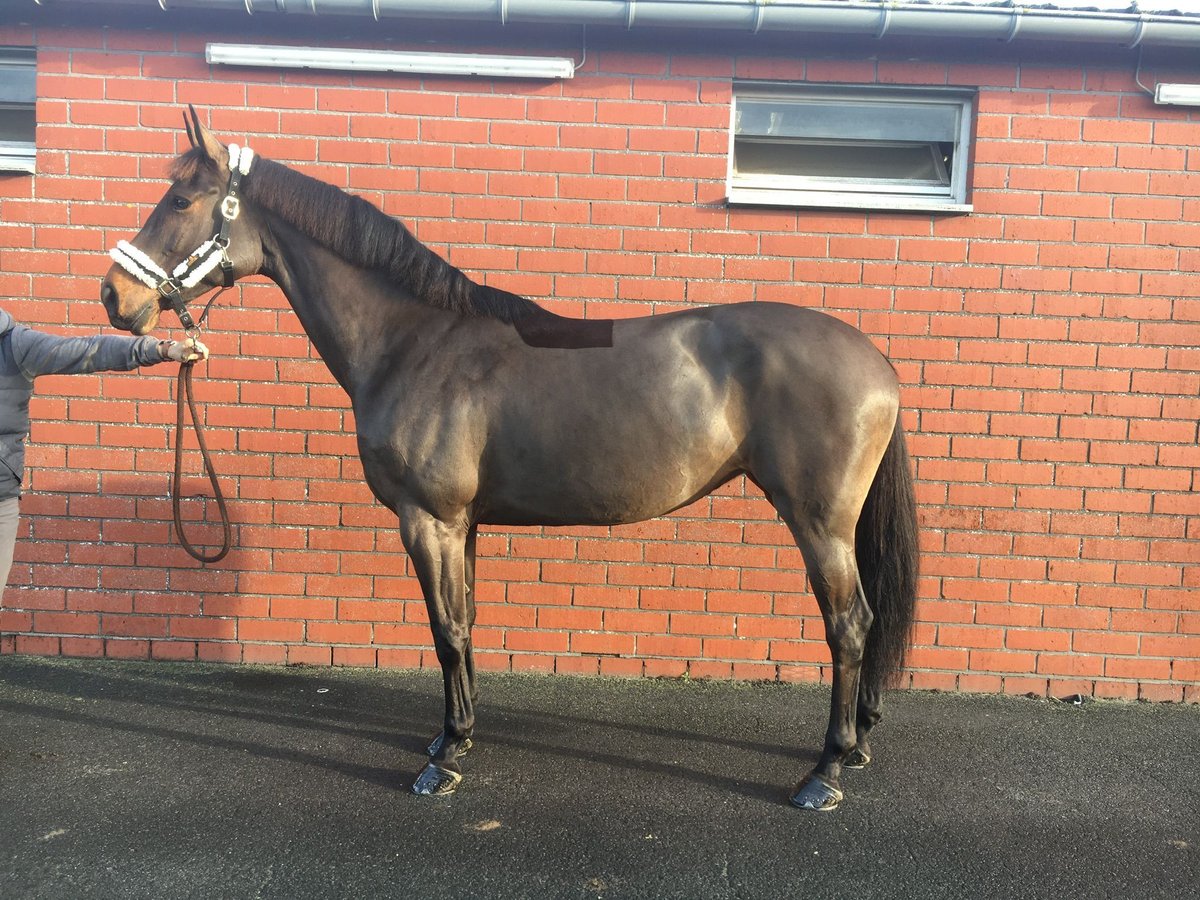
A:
[18,124]
[867,147]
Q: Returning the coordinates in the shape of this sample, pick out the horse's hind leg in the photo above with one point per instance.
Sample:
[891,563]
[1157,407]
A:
[870,706]
[438,552]
[833,574]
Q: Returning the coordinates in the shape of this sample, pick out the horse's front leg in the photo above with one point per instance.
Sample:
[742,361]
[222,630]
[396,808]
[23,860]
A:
[469,652]
[438,552]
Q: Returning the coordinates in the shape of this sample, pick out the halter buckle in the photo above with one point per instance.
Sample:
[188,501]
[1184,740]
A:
[168,288]
[231,208]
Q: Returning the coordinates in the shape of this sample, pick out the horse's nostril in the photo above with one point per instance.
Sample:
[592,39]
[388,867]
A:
[111,301]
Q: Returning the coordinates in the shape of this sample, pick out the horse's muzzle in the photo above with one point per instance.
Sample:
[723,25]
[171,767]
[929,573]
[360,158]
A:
[140,323]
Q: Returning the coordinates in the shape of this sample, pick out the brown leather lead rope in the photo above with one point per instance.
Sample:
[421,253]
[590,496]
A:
[184,390]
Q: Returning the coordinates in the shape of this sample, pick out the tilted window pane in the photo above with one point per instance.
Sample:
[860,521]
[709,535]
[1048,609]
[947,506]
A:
[912,162]
[847,119]
[17,123]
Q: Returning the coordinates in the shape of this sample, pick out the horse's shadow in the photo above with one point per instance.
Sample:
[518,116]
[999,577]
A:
[289,699]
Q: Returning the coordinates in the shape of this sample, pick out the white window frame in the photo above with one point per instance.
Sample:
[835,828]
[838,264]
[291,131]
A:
[18,81]
[856,192]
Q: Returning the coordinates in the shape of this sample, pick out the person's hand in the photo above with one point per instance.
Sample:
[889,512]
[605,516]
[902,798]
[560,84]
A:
[190,350]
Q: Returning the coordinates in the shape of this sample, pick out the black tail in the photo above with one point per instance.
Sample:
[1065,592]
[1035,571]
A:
[886,545]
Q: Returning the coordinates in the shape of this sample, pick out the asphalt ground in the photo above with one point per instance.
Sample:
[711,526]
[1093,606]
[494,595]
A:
[166,780]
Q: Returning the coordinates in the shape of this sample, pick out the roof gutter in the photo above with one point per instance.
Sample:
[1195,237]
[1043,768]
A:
[865,18]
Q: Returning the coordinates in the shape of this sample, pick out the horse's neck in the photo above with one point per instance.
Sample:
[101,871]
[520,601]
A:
[342,308]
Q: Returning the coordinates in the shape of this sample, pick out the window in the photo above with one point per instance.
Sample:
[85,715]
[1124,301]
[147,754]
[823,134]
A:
[18,71]
[862,147]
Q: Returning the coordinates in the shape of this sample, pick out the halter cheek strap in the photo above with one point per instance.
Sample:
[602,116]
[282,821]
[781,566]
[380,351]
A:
[206,257]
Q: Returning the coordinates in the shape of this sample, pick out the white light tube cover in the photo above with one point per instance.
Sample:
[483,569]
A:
[389,61]
[1177,94]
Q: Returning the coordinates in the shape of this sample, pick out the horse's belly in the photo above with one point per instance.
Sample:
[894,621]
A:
[568,504]
[598,480]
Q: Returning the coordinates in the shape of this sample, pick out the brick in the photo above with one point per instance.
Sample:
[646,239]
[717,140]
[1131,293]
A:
[1043,641]
[1000,661]
[1046,128]
[971,637]
[561,109]
[315,124]
[1122,667]
[677,647]
[605,644]
[608,137]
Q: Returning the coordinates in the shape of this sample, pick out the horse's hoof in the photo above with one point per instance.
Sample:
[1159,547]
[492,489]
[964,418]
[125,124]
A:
[816,794]
[435,746]
[436,782]
[856,759]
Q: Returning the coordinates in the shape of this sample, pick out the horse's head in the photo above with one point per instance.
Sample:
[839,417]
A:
[176,239]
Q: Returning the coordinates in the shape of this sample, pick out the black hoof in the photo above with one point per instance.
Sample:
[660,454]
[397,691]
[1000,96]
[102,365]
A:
[435,746]
[856,759]
[435,782]
[815,794]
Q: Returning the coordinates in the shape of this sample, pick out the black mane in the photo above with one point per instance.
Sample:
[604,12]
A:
[364,236]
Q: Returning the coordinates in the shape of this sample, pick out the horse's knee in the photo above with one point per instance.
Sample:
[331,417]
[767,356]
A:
[448,655]
[451,644]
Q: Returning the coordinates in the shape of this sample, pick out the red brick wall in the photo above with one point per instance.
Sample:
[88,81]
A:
[1047,344]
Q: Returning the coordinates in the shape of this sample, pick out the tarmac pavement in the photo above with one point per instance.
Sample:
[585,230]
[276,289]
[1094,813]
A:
[169,780]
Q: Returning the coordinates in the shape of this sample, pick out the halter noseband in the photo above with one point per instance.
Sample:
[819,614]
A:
[206,257]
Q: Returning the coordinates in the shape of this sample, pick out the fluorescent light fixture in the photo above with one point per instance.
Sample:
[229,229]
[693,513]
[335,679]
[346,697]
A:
[389,61]
[1177,94]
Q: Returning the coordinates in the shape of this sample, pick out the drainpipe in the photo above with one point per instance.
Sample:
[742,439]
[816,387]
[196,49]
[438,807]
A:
[868,18]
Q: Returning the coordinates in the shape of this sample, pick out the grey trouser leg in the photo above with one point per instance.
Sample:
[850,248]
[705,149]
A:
[9,518]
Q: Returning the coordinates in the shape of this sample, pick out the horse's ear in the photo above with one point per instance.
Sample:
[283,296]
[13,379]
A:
[201,137]
[187,123]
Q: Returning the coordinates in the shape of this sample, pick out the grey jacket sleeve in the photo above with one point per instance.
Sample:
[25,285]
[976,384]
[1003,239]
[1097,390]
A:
[39,353]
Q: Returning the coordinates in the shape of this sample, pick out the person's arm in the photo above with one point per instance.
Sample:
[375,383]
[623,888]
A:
[39,353]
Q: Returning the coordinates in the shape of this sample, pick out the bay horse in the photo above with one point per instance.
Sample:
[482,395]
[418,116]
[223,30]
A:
[475,406]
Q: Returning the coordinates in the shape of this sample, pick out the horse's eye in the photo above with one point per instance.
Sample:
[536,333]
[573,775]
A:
[180,203]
